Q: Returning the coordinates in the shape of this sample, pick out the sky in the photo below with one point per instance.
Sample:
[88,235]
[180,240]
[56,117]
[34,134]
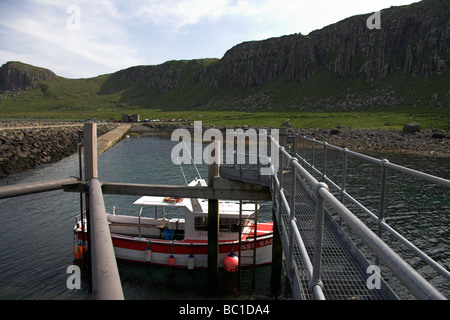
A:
[87,38]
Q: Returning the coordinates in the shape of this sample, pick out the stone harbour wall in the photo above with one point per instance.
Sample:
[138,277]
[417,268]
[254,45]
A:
[22,149]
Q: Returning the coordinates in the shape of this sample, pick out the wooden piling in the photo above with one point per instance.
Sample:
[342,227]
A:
[213,220]
[277,258]
[90,151]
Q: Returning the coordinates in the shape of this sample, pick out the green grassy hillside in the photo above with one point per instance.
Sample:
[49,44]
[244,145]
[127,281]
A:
[326,100]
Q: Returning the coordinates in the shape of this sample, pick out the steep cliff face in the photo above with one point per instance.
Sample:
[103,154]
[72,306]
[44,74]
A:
[414,39]
[17,76]
[344,66]
[260,62]
[164,77]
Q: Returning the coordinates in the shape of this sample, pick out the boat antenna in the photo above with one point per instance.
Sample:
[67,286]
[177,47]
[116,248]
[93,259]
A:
[190,155]
[179,162]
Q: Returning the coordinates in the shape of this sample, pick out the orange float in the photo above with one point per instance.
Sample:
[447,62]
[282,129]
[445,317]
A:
[78,251]
[173,199]
[231,262]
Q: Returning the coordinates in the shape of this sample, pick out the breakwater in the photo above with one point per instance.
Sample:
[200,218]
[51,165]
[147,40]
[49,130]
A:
[26,148]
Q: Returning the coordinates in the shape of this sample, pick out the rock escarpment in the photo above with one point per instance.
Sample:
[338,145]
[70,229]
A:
[344,66]
[413,39]
[17,76]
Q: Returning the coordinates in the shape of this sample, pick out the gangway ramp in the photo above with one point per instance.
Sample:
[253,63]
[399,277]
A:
[344,268]
[328,252]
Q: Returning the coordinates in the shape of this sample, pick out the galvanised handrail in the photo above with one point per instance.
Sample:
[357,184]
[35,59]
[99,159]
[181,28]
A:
[417,285]
[315,285]
[106,283]
[379,219]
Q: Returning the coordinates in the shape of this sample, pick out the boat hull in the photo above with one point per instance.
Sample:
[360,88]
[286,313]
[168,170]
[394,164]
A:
[189,253]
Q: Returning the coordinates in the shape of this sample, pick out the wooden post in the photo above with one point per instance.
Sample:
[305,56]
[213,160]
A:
[90,151]
[277,258]
[213,221]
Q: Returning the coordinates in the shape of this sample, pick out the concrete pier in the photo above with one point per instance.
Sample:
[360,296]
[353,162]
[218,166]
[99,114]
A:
[107,140]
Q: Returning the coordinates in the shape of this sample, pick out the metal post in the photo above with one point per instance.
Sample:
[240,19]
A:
[291,217]
[324,167]
[344,175]
[382,201]
[295,144]
[280,168]
[318,238]
[105,275]
[304,150]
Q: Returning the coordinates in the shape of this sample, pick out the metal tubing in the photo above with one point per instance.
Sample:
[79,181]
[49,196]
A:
[305,174]
[324,167]
[302,248]
[444,272]
[404,272]
[421,175]
[292,216]
[293,180]
[315,287]
[344,173]
[382,198]
[105,275]
[418,286]
[34,187]
[318,238]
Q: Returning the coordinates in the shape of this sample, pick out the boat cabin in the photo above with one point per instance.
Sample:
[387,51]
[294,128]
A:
[194,225]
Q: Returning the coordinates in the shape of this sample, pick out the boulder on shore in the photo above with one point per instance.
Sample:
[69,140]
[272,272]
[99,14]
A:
[411,127]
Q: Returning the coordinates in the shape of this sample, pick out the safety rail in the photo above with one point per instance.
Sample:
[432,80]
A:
[384,164]
[412,280]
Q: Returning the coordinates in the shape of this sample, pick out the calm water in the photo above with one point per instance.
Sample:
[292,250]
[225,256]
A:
[37,238]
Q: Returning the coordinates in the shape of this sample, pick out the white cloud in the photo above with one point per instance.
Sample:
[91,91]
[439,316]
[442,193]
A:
[100,44]
[177,14]
[118,34]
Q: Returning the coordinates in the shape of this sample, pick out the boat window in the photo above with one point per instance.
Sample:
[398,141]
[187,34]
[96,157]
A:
[225,224]
[228,225]
[201,223]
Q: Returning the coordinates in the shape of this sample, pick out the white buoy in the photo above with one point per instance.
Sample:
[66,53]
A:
[191,262]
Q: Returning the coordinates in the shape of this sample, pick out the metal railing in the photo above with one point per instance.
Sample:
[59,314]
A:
[412,280]
[344,195]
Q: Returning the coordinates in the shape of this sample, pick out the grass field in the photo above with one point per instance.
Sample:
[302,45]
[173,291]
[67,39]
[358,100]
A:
[325,120]
[79,99]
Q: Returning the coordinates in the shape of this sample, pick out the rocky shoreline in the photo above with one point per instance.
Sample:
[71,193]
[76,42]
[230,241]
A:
[360,140]
[22,149]
[413,141]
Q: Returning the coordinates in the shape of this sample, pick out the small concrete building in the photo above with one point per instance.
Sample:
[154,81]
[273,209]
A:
[126,118]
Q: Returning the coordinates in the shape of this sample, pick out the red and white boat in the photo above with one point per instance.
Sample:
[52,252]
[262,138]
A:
[183,242]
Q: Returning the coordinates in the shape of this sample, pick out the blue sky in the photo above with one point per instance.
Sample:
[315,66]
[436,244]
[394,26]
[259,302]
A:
[86,38]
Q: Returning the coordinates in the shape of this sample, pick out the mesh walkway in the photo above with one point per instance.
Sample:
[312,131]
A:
[342,276]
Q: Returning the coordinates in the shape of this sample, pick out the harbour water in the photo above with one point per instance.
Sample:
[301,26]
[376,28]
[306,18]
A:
[36,237]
